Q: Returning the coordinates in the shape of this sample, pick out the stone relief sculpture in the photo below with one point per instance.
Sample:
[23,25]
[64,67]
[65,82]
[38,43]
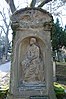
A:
[32,64]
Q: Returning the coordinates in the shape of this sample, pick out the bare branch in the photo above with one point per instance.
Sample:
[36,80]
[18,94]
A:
[8,1]
[64,1]
[44,2]
[4,18]
[11,4]
[1,14]
[2,29]
[33,3]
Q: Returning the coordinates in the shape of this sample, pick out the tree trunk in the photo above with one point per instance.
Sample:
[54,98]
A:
[11,4]
[33,3]
[6,44]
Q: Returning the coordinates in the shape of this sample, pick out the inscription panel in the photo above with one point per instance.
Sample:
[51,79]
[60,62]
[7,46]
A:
[39,97]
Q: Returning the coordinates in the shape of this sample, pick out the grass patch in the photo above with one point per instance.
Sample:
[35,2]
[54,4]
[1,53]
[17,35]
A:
[60,90]
[3,94]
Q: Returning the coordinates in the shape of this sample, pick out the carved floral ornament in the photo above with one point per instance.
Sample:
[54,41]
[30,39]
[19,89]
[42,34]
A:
[33,25]
[31,19]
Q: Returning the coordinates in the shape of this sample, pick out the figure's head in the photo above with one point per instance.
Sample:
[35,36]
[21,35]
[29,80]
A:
[32,41]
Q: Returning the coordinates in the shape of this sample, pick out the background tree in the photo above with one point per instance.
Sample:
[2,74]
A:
[5,31]
[58,36]
[40,3]
[2,46]
[64,37]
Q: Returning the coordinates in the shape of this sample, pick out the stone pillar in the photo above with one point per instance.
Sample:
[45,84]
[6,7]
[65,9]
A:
[54,70]
[31,68]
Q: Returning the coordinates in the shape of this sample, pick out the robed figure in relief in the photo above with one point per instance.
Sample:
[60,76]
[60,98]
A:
[32,65]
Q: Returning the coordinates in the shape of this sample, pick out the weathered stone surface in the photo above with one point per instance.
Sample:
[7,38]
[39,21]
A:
[61,73]
[31,70]
[33,18]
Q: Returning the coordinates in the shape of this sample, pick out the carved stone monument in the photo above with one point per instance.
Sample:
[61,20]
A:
[31,68]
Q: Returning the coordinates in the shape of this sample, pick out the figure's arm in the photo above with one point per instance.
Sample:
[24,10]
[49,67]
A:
[37,53]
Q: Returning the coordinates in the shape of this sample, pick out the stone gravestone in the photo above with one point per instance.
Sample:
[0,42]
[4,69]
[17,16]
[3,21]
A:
[31,68]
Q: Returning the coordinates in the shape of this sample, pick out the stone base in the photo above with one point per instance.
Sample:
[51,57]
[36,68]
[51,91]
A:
[10,96]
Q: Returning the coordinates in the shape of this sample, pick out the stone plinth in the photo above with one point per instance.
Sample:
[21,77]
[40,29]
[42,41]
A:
[31,68]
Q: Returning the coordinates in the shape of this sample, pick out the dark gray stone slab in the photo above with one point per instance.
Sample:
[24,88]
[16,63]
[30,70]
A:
[39,97]
[32,86]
